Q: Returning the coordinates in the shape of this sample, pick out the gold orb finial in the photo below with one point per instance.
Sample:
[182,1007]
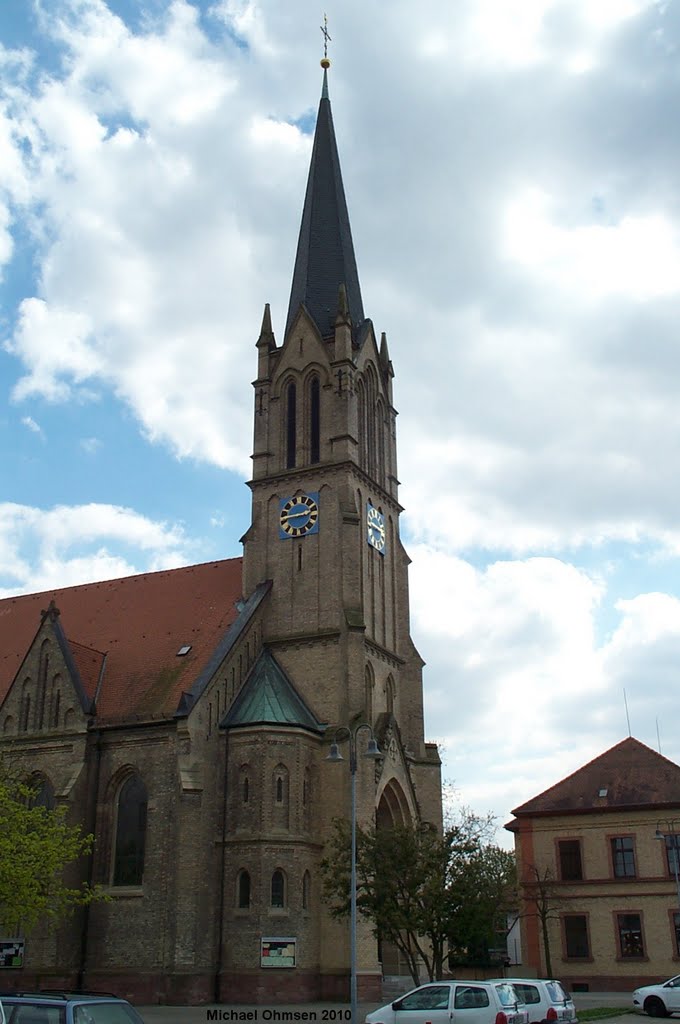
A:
[325,63]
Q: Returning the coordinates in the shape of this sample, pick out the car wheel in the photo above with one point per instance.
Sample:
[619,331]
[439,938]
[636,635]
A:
[655,1007]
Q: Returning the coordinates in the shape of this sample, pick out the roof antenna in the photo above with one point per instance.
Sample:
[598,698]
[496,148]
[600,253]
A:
[325,62]
[626,706]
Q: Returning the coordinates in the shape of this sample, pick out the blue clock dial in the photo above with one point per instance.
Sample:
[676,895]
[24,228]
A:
[299,516]
[375,528]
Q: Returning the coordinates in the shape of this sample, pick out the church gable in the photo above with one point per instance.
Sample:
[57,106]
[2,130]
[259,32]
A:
[396,800]
[134,645]
[48,692]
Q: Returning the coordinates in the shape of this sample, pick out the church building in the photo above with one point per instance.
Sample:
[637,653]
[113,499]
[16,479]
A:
[185,717]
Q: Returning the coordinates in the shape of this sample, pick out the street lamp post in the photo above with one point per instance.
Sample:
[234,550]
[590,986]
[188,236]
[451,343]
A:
[373,752]
[670,832]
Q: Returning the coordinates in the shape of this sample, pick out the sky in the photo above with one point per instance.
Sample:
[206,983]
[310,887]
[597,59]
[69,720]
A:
[511,171]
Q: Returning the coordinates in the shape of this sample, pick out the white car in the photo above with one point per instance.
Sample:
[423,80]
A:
[464,1002]
[658,1000]
[545,999]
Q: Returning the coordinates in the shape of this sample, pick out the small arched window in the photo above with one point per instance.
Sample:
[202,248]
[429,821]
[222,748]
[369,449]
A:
[128,867]
[246,790]
[243,889]
[390,694]
[278,897]
[291,424]
[369,682]
[306,889]
[25,709]
[314,420]
[43,793]
[280,784]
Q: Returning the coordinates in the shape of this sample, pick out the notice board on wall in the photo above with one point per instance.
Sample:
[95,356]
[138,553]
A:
[11,953]
[277,952]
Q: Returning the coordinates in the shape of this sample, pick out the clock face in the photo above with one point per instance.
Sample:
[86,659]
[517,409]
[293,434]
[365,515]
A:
[299,515]
[375,528]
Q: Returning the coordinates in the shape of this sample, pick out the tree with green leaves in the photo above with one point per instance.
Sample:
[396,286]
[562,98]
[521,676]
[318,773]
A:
[423,891]
[36,845]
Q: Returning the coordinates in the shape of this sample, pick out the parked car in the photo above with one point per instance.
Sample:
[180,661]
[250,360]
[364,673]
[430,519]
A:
[465,1002]
[47,1007]
[545,999]
[658,1000]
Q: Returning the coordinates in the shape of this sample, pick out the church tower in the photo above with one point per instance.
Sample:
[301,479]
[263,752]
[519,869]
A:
[325,537]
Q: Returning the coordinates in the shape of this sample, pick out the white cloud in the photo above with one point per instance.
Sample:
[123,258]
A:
[31,424]
[638,257]
[45,548]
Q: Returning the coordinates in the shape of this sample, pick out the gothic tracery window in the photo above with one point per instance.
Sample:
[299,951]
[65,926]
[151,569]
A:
[128,866]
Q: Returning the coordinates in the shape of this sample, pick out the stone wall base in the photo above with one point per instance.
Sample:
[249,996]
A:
[271,987]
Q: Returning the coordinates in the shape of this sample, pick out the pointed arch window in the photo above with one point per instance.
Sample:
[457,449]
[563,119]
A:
[243,889]
[278,889]
[369,683]
[390,694]
[128,866]
[314,420]
[291,424]
[280,784]
[43,793]
[25,711]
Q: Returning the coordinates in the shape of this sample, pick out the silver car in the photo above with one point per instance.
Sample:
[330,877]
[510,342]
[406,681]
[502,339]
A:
[464,1002]
[545,1000]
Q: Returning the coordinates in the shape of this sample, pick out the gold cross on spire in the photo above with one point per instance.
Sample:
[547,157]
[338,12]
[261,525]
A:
[325,63]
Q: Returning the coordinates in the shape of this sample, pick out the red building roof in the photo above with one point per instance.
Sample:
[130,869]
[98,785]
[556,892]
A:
[628,775]
[125,634]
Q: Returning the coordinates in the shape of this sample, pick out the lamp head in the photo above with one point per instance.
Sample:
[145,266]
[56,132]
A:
[334,754]
[372,750]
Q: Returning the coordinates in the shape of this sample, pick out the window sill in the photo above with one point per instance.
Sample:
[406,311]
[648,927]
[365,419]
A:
[124,891]
[578,959]
[632,959]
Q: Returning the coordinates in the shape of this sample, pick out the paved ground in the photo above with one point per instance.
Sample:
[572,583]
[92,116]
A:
[332,1013]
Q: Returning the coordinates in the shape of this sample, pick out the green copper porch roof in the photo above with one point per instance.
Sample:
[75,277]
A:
[268,697]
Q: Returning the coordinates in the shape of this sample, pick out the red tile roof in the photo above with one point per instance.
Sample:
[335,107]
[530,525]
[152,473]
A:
[632,774]
[133,628]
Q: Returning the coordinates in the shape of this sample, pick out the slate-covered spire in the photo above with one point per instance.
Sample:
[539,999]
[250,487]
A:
[325,254]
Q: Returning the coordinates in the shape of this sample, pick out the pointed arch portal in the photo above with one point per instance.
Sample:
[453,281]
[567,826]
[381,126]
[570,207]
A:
[393,806]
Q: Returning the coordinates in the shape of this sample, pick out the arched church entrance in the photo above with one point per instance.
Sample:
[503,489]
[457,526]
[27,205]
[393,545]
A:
[393,810]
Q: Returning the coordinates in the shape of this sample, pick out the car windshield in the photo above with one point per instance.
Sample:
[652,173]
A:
[506,994]
[105,1013]
[556,992]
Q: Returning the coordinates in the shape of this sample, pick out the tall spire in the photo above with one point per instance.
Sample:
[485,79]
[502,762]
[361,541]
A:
[325,253]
